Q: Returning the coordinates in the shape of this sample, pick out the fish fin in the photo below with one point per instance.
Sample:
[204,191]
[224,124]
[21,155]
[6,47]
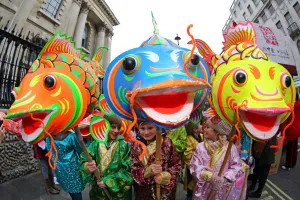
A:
[95,63]
[99,54]
[124,127]
[61,43]
[239,33]
[99,129]
[196,117]
[104,107]
[205,51]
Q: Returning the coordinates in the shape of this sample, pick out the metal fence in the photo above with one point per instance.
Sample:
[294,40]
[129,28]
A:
[17,52]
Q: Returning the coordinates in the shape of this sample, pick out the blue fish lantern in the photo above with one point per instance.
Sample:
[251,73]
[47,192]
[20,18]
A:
[149,83]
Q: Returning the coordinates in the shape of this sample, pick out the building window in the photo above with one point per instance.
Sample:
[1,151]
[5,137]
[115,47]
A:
[279,26]
[51,7]
[263,16]
[239,5]
[271,8]
[255,2]
[298,45]
[245,16]
[297,8]
[279,2]
[288,18]
[85,37]
[250,9]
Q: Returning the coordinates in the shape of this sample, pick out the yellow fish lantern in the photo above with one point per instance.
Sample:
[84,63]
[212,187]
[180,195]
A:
[247,87]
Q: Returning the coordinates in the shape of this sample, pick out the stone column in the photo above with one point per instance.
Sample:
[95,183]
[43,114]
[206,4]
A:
[23,12]
[72,17]
[85,8]
[108,38]
[100,40]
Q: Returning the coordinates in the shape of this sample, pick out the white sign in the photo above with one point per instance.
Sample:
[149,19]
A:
[274,43]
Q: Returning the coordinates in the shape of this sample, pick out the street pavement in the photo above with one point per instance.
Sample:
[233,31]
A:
[281,186]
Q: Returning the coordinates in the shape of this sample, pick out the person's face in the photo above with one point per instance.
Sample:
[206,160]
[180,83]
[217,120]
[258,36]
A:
[114,131]
[239,147]
[147,131]
[209,133]
[197,130]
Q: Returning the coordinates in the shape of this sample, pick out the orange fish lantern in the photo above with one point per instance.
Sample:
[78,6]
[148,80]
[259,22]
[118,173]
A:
[248,89]
[59,90]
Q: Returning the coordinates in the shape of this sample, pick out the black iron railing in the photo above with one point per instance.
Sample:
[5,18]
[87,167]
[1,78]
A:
[17,52]
[293,30]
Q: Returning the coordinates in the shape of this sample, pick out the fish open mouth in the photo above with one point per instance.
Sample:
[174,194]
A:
[84,130]
[262,124]
[31,129]
[169,104]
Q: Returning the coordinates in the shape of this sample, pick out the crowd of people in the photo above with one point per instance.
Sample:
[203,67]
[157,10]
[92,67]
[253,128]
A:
[208,174]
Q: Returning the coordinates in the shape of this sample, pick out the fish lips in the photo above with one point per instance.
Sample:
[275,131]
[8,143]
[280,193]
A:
[169,103]
[262,123]
[33,123]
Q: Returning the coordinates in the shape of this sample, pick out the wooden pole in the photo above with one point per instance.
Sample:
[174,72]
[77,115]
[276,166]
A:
[86,153]
[228,151]
[157,160]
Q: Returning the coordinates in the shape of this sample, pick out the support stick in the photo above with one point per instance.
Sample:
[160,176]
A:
[86,153]
[157,160]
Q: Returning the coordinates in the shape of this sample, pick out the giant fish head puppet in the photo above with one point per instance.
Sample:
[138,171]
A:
[246,84]
[59,90]
[152,77]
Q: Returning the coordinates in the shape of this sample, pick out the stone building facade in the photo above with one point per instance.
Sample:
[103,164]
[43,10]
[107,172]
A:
[89,22]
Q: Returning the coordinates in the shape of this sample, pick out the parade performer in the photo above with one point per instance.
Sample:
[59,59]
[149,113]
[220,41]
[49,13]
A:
[113,160]
[47,173]
[248,89]
[59,90]
[146,173]
[148,83]
[238,189]
[208,158]
[67,168]
[193,138]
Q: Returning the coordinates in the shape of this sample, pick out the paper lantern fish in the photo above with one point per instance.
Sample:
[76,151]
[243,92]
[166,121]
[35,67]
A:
[247,87]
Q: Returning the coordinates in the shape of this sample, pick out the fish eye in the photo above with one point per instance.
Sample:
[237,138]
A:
[131,64]
[195,60]
[240,77]
[49,81]
[286,80]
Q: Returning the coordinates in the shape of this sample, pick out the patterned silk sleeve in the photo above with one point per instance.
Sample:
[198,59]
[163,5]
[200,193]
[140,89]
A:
[234,165]
[197,168]
[86,176]
[121,181]
[76,144]
[137,168]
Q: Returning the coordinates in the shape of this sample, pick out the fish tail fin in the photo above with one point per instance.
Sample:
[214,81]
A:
[206,52]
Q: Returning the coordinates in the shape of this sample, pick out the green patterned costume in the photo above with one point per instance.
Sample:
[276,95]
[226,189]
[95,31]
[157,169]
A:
[113,160]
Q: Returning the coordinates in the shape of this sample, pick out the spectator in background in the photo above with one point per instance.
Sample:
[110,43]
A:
[292,135]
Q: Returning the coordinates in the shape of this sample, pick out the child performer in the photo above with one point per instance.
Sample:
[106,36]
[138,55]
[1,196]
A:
[67,167]
[208,158]
[113,160]
[146,173]
[193,139]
